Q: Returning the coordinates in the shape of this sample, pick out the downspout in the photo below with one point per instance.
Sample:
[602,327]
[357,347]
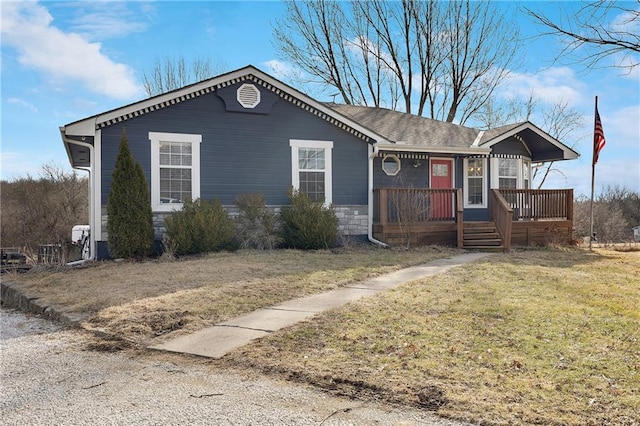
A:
[372,155]
[92,237]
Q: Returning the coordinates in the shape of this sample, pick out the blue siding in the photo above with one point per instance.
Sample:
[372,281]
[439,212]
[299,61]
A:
[407,177]
[510,146]
[243,152]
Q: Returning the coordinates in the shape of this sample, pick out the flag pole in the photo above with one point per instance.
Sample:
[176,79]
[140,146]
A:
[593,177]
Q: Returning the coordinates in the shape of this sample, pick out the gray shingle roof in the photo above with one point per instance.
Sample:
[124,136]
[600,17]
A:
[497,131]
[411,129]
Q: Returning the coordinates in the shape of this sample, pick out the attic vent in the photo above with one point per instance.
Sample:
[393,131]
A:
[248,96]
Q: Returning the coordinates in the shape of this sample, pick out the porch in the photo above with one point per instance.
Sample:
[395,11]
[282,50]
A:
[516,217]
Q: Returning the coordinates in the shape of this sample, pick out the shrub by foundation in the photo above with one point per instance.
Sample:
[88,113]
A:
[257,226]
[200,227]
[308,224]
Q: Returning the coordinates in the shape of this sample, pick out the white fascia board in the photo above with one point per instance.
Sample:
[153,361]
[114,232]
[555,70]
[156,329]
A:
[476,142]
[321,107]
[569,154]
[86,127]
[238,74]
[66,142]
[436,150]
[505,135]
[169,96]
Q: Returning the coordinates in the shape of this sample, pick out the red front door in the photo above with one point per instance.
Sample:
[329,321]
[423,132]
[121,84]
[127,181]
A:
[441,177]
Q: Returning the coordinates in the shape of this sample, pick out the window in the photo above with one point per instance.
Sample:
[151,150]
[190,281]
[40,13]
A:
[311,168]
[507,173]
[511,173]
[526,174]
[175,169]
[475,172]
[391,164]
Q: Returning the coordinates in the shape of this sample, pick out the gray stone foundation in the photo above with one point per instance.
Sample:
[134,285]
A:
[353,220]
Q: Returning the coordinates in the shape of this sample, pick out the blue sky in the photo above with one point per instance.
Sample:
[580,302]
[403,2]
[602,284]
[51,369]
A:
[63,61]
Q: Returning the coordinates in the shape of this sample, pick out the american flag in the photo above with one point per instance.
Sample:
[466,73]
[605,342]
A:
[598,138]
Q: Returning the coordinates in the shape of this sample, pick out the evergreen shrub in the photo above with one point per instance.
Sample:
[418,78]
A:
[130,218]
[257,226]
[308,224]
[200,227]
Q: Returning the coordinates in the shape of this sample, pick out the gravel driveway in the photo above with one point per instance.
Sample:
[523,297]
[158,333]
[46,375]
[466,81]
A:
[49,376]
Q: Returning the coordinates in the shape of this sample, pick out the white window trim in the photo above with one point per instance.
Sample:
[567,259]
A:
[397,161]
[295,172]
[466,185]
[495,178]
[156,138]
[526,178]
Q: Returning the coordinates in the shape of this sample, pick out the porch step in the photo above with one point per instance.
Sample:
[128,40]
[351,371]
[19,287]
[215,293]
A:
[481,236]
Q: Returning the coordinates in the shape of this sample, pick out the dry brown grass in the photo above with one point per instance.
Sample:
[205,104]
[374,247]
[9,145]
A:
[532,337]
[143,300]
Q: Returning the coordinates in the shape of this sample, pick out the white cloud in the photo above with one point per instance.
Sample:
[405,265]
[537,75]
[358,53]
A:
[280,70]
[27,26]
[22,103]
[109,19]
[550,85]
[621,126]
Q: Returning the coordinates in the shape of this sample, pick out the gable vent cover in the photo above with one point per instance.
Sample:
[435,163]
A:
[248,96]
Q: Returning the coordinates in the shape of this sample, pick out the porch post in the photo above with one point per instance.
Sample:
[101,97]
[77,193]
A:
[570,204]
[460,217]
[383,207]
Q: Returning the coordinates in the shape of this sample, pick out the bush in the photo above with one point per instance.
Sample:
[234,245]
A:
[257,226]
[307,224]
[130,219]
[200,227]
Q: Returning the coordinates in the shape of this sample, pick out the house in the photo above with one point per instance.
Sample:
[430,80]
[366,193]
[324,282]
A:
[247,132]
[636,233]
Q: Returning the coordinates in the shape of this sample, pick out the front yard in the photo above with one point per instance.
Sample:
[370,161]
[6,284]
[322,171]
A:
[532,337]
[543,336]
[140,301]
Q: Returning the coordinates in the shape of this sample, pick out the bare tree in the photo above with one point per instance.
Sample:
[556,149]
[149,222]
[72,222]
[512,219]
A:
[615,211]
[560,120]
[173,73]
[43,210]
[498,112]
[440,59]
[592,35]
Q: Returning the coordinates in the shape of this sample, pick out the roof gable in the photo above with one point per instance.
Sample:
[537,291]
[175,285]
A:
[87,126]
[543,147]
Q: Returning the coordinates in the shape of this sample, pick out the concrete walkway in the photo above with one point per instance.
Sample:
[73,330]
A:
[222,338]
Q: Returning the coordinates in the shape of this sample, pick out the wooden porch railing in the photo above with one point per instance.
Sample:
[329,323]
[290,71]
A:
[421,209]
[416,205]
[502,215]
[537,204]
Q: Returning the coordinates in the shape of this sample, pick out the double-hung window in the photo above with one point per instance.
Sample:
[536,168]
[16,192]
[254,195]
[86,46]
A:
[526,174]
[175,169]
[511,173]
[311,168]
[507,173]
[475,177]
